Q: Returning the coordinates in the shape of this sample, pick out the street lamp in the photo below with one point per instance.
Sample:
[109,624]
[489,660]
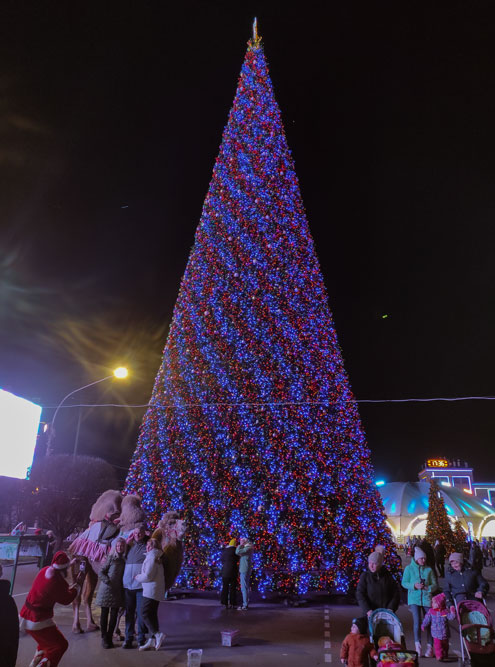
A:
[120,373]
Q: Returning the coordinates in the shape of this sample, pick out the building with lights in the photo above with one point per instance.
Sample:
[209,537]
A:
[458,474]
[406,503]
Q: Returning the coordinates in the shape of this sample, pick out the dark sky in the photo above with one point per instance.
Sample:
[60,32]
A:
[111,116]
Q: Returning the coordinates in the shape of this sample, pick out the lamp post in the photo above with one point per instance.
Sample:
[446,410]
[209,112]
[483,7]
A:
[119,373]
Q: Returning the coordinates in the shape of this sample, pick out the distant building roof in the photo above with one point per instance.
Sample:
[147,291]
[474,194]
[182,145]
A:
[410,498]
[405,503]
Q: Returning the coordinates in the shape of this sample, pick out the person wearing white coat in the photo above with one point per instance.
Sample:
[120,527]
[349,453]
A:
[153,580]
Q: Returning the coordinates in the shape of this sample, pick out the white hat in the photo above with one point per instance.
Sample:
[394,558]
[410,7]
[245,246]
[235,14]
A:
[419,553]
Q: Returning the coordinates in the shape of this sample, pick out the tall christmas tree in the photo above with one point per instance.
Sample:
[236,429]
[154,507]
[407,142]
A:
[438,524]
[252,428]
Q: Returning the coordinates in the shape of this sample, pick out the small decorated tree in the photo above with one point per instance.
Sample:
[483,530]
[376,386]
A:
[438,524]
[459,537]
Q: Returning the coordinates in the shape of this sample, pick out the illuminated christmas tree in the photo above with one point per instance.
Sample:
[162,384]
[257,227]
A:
[252,428]
[459,536]
[438,524]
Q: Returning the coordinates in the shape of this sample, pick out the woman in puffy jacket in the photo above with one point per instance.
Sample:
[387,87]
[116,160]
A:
[152,578]
[110,596]
[420,581]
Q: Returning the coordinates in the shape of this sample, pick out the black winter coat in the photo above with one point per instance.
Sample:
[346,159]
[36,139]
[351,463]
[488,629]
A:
[464,584]
[377,590]
[230,563]
[9,626]
[429,553]
[440,553]
[476,557]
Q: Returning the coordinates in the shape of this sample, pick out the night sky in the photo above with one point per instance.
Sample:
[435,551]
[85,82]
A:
[111,116]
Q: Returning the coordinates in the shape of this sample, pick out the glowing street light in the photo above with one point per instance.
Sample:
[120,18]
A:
[121,372]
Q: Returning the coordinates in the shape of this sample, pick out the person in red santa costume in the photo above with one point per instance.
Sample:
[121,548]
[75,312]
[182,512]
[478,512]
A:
[36,616]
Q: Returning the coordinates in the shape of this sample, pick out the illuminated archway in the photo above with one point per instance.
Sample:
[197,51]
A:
[392,528]
[420,528]
[416,525]
[487,528]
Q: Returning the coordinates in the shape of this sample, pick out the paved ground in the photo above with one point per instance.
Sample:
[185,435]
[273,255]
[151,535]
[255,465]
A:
[270,635]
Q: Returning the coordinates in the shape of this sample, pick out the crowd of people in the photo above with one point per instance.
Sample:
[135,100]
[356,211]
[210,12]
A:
[132,582]
[431,608]
[479,554]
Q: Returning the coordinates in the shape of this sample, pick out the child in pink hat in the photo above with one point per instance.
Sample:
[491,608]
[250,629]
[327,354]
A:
[438,617]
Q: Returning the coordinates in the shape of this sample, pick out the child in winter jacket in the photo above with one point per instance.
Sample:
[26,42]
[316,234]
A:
[438,617]
[356,647]
[386,643]
[110,596]
[390,653]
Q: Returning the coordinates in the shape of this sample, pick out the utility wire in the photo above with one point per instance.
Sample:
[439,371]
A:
[188,405]
[280,404]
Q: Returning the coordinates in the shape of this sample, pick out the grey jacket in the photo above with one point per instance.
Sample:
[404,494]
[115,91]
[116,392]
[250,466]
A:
[134,561]
[245,554]
[111,590]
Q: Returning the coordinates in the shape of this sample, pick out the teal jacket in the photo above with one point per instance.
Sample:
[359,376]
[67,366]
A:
[245,554]
[412,574]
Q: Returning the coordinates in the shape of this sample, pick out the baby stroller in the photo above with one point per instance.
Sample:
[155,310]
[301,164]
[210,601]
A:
[477,638]
[384,623]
